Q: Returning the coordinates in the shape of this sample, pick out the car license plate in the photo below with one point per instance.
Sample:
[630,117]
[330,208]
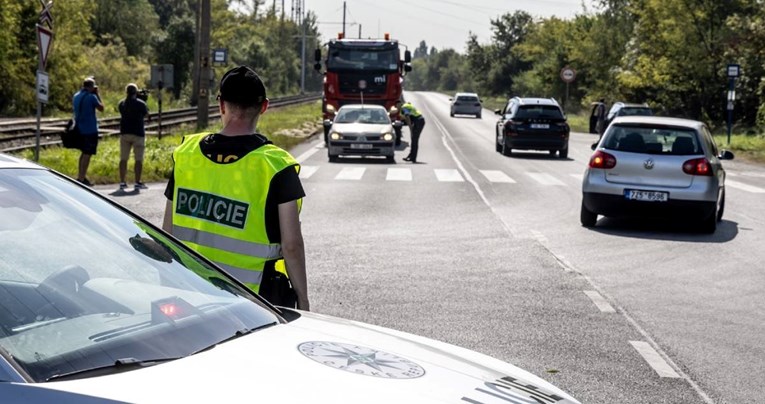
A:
[361,146]
[646,196]
[540,126]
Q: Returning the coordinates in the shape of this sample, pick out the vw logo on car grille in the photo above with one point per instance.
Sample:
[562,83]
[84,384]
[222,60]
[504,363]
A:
[361,360]
[648,164]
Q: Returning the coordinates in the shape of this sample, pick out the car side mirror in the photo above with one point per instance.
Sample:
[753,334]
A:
[327,123]
[594,146]
[498,111]
[726,155]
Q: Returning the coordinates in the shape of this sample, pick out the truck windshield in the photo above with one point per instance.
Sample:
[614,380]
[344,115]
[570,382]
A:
[362,59]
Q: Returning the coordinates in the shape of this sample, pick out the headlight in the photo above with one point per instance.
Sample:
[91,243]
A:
[335,136]
[387,137]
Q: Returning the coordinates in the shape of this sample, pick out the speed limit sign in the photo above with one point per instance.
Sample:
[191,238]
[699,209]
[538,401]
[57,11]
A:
[567,74]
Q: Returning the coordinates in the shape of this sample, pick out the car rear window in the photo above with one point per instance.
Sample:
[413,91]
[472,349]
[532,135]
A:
[653,140]
[538,112]
[632,111]
[467,98]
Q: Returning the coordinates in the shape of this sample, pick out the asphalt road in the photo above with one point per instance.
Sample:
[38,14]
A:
[486,252]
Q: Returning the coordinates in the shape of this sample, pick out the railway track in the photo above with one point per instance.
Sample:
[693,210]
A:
[20,134]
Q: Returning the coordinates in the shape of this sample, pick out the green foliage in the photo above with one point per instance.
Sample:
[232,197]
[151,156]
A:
[132,21]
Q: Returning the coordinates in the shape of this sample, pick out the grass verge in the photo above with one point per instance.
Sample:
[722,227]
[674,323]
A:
[285,126]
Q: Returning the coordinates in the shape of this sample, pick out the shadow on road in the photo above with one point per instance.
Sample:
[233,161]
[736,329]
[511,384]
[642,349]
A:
[663,229]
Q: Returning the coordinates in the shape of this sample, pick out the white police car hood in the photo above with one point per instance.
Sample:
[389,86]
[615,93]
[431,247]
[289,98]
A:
[314,359]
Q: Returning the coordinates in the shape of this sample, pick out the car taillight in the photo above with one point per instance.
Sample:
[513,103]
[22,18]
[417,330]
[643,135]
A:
[698,167]
[511,129]
[603,160]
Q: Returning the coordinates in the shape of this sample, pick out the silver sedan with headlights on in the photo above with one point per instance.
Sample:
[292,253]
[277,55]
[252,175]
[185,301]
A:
[655,167]
[361,130]
[99,306]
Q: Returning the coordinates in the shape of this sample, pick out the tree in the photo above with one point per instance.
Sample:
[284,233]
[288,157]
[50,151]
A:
[132,21]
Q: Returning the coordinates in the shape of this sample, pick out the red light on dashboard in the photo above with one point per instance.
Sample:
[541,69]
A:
[169,309]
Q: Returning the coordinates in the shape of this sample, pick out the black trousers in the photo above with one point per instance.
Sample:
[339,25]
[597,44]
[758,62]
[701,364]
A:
[415,129]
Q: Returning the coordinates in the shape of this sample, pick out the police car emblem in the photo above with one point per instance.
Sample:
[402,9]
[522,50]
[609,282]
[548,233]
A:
[361,360]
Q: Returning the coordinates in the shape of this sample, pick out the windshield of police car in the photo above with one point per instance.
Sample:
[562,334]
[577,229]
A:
[83,283]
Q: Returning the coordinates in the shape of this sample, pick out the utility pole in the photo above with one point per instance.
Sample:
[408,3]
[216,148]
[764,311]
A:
[203,73]
[359,31]
[343,19]
[302,59]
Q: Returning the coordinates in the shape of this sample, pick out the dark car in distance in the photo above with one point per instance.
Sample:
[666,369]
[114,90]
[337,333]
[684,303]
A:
[532,124]
[619,109]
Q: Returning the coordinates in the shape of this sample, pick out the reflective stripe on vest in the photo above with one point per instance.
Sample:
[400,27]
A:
[219,209]
[268,251]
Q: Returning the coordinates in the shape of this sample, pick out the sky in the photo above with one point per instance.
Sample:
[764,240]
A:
[440,23]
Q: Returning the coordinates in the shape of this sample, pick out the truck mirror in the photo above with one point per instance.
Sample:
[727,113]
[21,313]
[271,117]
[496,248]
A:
[317,67]
[407,68]
[407,56]
[317,55]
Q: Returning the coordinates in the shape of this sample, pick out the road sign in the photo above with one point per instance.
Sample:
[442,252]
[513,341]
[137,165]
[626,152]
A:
[162,76]
[42,87]
[220,56]
[734,70]
[45,16]
[44,40]
[568,74]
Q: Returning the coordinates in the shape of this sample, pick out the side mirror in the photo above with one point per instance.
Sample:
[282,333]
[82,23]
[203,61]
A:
[327,123]
[726,155]
[398,124]
[594,146]
[498,111]
[451,99]
[317,55]
[407,67]
[407,56]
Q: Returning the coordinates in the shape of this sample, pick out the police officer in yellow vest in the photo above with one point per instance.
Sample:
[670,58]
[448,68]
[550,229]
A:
[235,198]
[416,123]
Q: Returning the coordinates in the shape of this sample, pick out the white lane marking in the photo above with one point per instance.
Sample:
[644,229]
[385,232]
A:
[545,179]
[497,176]
[308,171]
[600,301]
[745,187]
[579,177]
[446,136]
[448,175]
[308,153]
[654,359]
[351,173]
[399,174]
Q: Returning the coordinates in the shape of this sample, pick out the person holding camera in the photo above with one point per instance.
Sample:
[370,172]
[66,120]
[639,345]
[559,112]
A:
[133,110]
[86,102]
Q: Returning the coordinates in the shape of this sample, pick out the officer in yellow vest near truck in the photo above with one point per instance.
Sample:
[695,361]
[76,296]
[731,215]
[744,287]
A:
[416,123]
[235,198]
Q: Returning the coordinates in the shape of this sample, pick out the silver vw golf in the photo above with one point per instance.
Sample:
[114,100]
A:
[655,166]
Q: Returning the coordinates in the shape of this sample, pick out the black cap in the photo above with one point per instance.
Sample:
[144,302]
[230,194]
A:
[242,86]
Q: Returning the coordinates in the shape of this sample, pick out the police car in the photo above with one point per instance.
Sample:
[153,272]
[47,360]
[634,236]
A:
[98,305]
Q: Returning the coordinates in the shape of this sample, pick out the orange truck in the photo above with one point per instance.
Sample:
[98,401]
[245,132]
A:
[359,71]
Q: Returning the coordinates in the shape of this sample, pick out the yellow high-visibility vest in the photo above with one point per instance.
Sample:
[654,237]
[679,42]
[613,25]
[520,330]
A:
[409,110]
[219,209]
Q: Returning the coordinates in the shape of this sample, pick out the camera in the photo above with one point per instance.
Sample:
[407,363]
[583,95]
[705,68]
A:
[143,94]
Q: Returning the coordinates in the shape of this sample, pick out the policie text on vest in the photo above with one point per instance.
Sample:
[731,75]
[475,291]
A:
[211,207]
